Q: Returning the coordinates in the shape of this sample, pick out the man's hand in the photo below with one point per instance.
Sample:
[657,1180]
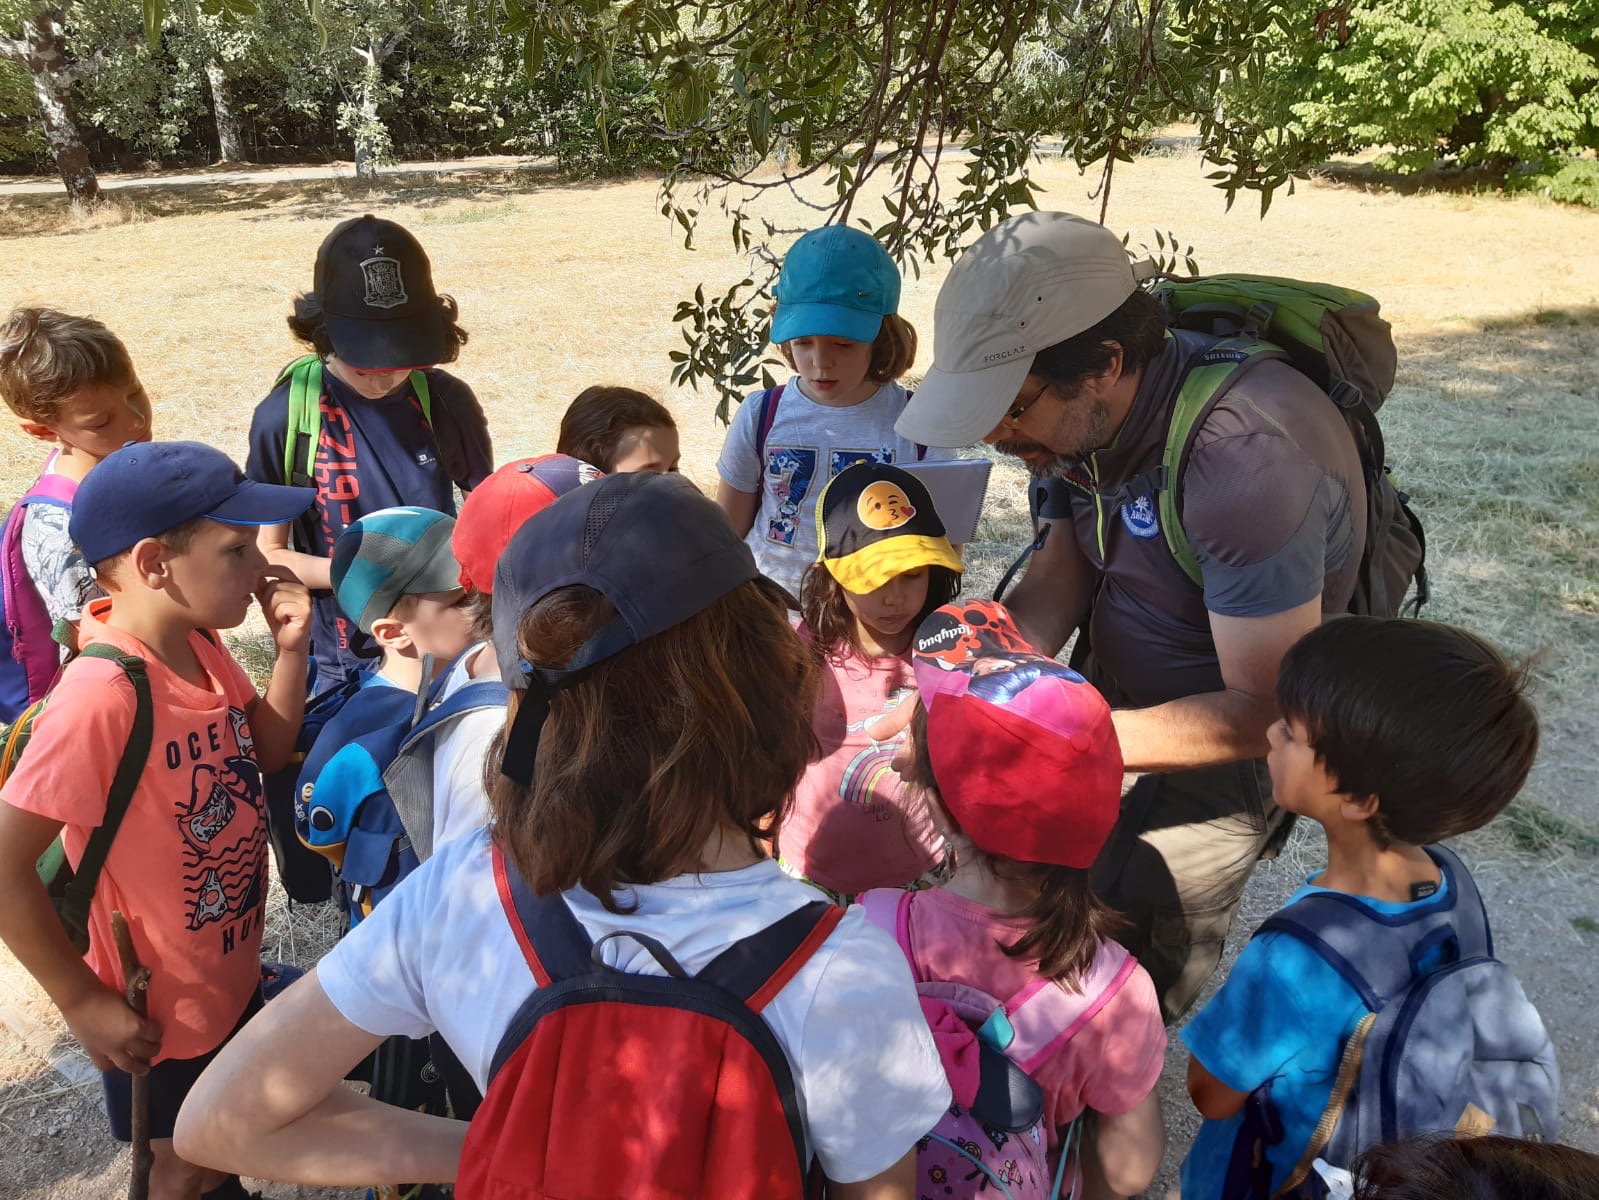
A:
[111,1033]
[286,604]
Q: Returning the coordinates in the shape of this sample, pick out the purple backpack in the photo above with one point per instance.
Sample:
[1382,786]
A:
[970,1153]
[30,657]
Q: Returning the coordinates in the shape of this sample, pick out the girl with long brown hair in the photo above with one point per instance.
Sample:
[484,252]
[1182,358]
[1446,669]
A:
[641,766]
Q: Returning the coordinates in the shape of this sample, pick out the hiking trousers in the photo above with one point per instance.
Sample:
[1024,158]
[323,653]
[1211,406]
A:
[1176,864]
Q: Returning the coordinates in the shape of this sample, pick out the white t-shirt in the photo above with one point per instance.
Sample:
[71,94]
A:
[439,954]
[460,805]
[808,444]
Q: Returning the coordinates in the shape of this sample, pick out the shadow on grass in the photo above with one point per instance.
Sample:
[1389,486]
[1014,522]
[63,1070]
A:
[311,199]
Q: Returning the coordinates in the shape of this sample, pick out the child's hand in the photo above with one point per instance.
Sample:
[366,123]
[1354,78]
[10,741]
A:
[111,1033]
[286,603]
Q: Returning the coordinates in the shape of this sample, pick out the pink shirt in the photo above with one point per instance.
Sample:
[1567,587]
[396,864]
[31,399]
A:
[853,824]
[188,866]
[1109,1065]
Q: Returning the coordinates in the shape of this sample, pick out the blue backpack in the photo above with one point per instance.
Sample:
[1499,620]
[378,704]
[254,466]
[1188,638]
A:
[343,808]
[1449,1044]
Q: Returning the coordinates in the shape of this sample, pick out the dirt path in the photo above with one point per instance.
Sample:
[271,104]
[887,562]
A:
[49,185]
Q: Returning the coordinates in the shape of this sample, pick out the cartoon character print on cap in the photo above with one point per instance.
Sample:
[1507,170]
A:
[982,627]
[883,505]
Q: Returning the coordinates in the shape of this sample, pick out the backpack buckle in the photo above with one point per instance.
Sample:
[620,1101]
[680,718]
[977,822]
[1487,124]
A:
[1258,318]
[1346,395]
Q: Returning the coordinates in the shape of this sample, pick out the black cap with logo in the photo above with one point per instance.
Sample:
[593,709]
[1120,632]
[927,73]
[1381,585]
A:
[375,285]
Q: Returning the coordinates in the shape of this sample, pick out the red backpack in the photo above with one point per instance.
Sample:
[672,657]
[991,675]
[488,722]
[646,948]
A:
[651,1087]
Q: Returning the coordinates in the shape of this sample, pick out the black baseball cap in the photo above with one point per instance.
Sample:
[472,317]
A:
[651,544]
[375,285]
[875,521]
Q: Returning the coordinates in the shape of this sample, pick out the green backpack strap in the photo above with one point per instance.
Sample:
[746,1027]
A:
[305,420]
[305,416]
[1212,372]
[74,905]
[424,395]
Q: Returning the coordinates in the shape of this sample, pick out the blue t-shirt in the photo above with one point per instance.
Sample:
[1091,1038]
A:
[1282,1017]
[372,454]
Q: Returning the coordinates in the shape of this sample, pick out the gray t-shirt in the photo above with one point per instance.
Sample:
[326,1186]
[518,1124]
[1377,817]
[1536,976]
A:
[1273,502]
[807,445]
[53,562]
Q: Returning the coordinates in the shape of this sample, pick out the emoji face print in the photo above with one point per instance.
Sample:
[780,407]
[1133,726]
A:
[883,506]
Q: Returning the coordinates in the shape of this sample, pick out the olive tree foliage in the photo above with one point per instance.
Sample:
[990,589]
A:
[1474,82]
[918,120]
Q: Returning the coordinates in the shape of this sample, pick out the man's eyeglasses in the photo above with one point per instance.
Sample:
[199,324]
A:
[1014,414]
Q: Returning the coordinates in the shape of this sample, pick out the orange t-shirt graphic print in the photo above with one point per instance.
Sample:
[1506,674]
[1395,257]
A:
[188,867]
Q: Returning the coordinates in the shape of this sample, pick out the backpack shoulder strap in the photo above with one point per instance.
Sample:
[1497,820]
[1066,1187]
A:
[765,418]
[1207,376]
[890,910]
[305,420]
[1046,1015]
[760,966]
[80,892]
[55,490]
[552,939]
[424,395]
[1377,954]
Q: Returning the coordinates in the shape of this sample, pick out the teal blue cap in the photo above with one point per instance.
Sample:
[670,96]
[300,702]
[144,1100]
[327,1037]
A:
[394,552]
[836,282]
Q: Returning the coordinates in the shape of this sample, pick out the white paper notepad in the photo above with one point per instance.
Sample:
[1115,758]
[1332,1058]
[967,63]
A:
[957,486]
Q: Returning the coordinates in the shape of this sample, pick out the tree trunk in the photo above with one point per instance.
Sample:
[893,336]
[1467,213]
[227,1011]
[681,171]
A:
[43,54]
[230,144]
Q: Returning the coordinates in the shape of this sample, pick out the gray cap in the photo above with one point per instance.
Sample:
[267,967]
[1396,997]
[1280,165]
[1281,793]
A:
[390,553]
[1028,283]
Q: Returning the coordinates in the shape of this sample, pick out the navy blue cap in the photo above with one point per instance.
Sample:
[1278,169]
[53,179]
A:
[651,544]
[147,488]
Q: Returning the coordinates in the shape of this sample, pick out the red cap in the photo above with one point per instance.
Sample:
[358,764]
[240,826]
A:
[1023,748]
[497,507]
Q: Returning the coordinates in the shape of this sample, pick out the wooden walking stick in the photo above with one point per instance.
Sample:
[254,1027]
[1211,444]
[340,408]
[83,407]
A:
[137,979]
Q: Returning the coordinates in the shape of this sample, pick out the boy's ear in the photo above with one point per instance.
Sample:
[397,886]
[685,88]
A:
[391,633]
[1358,808]
[35,429]
[147,562]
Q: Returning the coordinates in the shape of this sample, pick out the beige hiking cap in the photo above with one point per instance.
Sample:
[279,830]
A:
[1027,283]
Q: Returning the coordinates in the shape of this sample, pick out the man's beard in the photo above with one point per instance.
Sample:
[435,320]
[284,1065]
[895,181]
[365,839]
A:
[1059,463]
[1054,467]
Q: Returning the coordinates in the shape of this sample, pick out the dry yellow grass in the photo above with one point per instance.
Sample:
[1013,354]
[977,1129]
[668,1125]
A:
[1495,425]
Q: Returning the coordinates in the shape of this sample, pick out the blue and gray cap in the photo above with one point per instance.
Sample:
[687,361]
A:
[390,553]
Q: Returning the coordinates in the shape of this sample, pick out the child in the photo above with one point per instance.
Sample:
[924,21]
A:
[449,768]
[396,579]
[619,430]
[71,384]
[1445,1167]
[837,326]
[391,430]
[1026,784]
[170,530]
[1394,735]
[642,647]
[885,566]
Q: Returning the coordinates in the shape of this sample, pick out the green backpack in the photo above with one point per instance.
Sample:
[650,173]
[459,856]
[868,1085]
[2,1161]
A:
[73,891]
[1335,336]
[305,416]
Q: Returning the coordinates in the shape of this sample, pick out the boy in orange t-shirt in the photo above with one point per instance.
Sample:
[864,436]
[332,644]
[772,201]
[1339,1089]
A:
[170,530]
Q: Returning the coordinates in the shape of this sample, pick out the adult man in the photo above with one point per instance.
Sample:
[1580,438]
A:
[1045,347]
